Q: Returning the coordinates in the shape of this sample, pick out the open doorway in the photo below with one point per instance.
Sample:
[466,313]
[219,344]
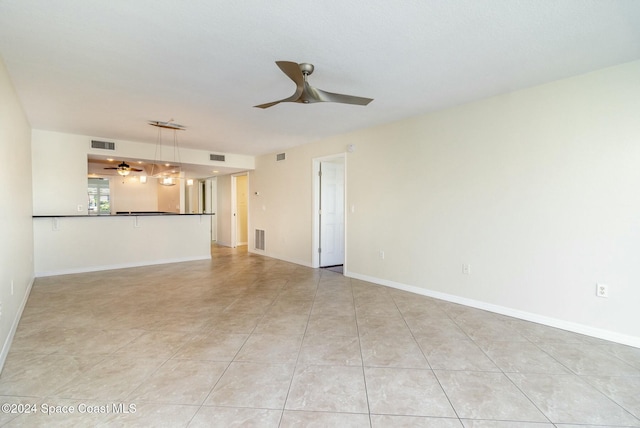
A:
[329,212]
[240,210]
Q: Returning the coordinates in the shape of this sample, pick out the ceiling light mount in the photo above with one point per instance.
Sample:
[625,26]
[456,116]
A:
[167,125]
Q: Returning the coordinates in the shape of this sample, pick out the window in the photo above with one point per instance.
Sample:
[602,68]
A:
[99,202]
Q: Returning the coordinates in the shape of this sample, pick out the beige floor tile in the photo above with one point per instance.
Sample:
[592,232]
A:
[271,348]
[330,350]
[571,400]
[413,392]
[45,375]
[252,385]
[436,329]
[624,390]
[521,357]
[332,325]
[233,323]
[329,389]
[283,323]
[486,395]
[180,382]
[111,379]
[213,346]
[469,423]
[156,344]
[388,421]
[455,355]
[150,415]
[392,351]
[592,360]
[294,419]
[231,417]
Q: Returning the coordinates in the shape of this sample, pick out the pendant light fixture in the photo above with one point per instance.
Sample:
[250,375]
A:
[166,175]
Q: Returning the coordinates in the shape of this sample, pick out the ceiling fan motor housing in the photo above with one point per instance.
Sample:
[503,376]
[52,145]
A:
[306,68]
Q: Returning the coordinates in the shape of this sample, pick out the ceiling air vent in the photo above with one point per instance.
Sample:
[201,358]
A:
[104,145]
[219,158]
[281,156]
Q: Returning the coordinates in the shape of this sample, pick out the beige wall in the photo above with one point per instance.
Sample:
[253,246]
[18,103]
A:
[129,194]
[536,190]
[16,230]
[169,198]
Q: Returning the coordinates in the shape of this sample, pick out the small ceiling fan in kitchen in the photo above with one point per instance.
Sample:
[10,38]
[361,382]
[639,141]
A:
[124,169]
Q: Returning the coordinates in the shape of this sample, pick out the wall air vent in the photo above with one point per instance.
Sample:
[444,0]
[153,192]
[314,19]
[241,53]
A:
[219,158]
[259,241]
[104,145]
[281,156]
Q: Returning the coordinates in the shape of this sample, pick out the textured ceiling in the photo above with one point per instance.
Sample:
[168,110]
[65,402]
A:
[105,68]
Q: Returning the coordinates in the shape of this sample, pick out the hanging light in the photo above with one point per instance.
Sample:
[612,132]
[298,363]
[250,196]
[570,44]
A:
[165,178]
[123,171]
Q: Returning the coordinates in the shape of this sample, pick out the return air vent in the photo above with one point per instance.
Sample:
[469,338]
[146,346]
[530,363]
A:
[281,156]
[104,145]
[259,241]
[219,158]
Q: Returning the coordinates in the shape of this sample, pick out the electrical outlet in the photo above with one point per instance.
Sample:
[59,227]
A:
[382,254]
[12,287]
[602,290]
[466,269]
[79,207]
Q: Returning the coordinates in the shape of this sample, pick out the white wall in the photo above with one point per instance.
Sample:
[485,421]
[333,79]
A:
[86,244]
[16,231]
[537,190]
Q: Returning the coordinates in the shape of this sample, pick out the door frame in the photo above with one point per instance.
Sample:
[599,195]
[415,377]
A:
[315,241]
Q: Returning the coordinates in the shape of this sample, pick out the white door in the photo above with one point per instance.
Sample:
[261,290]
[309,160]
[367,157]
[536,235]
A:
[331,213]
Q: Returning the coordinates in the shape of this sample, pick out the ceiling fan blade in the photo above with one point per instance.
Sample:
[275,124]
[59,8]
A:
[292,69]
[135,169]
[340,98]
[267,105]
[111,168]
[293,98]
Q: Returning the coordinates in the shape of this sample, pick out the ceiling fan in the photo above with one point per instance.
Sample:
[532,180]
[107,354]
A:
[305,93]
[124,169]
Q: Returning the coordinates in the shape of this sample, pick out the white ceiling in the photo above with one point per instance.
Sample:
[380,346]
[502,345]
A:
[105,68]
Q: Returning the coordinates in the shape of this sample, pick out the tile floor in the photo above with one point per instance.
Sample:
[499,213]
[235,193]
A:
[244,340]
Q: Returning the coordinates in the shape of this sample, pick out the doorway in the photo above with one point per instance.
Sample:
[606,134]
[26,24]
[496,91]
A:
[329,215]
[240,210]
[208,200]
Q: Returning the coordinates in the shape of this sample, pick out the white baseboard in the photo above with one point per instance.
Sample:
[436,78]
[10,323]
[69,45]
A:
[503,310]
[14,326]
[119,266]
